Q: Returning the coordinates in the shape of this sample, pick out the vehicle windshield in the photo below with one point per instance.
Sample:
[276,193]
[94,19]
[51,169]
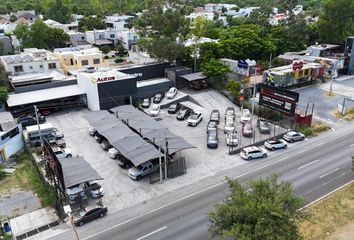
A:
[140,167]
[194,116]
[95,187]
[82,213]
[248,126]
[246,113]
[229,124]
[173,106]
[212,136]
[264,124]
[244,151]
[232,136]
[171,90]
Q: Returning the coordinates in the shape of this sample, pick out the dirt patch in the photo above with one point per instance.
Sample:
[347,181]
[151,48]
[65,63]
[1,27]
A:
[331,217]
[349,115]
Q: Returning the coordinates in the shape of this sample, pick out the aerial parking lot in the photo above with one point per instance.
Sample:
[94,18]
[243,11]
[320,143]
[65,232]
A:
[120,190]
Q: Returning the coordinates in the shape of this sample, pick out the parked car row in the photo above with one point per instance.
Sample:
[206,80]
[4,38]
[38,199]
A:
[249,153]
[172,92]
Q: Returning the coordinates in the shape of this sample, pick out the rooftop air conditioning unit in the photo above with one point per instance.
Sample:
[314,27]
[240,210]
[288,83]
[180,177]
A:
[90,69]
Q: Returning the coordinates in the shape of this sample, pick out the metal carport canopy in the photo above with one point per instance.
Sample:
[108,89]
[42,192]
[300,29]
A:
[136,149]
[163,136]
[96,116]
[193,76]
[117,132]
[76,170]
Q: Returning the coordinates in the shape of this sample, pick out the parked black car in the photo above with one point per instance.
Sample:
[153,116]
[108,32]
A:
[146,103]
[212,141]
[215,116]
[174,107]
[30,120]
[158,98]
[183,114]
[99,138]
[89,214]
[119,60]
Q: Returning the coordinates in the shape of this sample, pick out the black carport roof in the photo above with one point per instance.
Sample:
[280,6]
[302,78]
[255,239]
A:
[76,170]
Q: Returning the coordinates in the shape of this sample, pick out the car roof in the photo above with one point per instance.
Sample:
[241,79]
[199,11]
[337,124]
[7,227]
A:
[273,140]
[292,132]
[252,148]
[88,208]
[196,112]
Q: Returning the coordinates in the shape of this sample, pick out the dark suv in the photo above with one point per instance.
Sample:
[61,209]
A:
[174,107]
[30,120]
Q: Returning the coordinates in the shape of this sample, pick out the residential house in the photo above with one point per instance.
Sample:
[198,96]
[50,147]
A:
[129,38]
[77,38]
[32,60]
[117,22]
[102,37]
[79,58]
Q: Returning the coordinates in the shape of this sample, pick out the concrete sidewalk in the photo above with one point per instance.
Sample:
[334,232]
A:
[29,222]
[338,89]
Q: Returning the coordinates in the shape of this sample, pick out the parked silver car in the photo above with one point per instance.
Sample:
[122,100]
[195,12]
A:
[293,136]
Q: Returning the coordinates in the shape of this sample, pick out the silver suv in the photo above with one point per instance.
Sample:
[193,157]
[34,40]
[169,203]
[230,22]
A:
[140,171]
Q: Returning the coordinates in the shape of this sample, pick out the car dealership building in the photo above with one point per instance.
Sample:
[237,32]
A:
[98,89]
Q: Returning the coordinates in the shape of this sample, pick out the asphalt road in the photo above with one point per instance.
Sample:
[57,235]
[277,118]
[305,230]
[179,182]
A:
[315,167]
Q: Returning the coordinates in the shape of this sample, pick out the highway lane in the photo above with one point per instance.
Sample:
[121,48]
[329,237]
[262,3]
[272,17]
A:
[315,167]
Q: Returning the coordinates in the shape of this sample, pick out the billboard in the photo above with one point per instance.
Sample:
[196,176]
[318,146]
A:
[279,99]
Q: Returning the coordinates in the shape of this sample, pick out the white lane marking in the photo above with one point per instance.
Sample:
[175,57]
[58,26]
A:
[308,164]
[149,234]
[326,195]
[351,145]
[328,173]
[332,129]
[208,188]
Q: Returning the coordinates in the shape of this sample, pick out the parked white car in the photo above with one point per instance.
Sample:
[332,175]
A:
[92,131]
[249,153]
[171,93]
[155,110]
[62,152]
[229,125]
[113,153]
[195,119]
[275,144]
[246,116]
[231,139]
[95,188]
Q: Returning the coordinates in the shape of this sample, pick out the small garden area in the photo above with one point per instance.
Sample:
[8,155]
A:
[316,128]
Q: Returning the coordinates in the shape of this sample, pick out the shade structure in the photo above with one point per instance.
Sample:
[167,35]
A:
[76,170]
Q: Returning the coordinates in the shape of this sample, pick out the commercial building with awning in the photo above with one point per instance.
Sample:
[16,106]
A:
[76,170]
[37,96]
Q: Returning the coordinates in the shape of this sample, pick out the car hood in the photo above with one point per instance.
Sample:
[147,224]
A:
[229,127]
[67,150]
[134,171]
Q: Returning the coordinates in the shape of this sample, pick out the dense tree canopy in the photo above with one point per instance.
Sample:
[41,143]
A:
[90,23]
[4,83]
[269,211]
[163,29]
[39,35]
[336,21]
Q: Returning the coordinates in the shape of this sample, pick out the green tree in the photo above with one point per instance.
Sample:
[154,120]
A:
[4,77]
[59,11]
[202,27]
[119,47]
[215,71]
[336,21]
[268,211]
[233,87]
[9,7]
[91,23]
[39,35]
[105,49]
[13,18]
[163,24]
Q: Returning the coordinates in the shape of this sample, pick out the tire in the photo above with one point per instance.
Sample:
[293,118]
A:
[264,155]
[272,149]
[68,156]
[292,140]
[81,223]
[302,139]
[138,178]
[249,158]
[102,215]
[126,166]
[285,146]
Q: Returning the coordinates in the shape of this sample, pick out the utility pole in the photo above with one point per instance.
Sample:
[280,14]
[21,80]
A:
[254,89]
[39,128]
[160,163]
[166,156]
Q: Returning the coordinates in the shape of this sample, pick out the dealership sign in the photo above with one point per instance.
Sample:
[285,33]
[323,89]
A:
[105,79]
[279,99]
[113,78]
